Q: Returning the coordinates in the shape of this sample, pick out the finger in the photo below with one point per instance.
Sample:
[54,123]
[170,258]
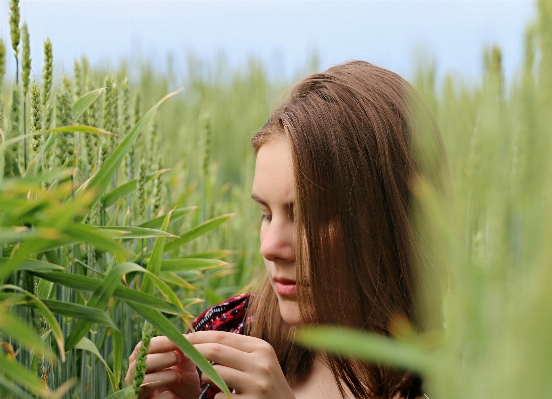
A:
[130,373]
[236,379]
[166,395]
[241,342]
[225,355]
[159,361]
[222,395]
[156,362]
[159,379]
[157,345]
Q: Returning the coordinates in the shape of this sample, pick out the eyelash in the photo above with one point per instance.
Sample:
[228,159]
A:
[266,217]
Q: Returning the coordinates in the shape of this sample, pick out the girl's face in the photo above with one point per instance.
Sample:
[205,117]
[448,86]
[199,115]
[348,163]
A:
[273,190]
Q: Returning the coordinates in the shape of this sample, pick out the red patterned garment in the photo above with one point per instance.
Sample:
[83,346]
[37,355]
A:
[227,316]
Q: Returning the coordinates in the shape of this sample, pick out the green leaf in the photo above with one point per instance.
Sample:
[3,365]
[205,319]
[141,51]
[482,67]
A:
[126,393]
[46,314]
[154,264]
[99,299]
[186,264]
[117,355]
[14,299]
[12,234]
[15,328]
[165,327]
[87,345]
[197,231]
[176,215]
[81,312]
[14,371]
[134,232]
[370,347]
[59,129]
[11,387]
[96,237]
[220,254]
[101,179]
[126,294]
[34,265]
[127,188]
[82,104]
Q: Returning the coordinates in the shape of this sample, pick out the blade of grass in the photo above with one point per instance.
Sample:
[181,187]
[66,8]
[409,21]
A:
[154,264]
[83,103]
[134,232]
[14,371]
[87,345]
[366,346]
[126,294]
[125,189]
[197,231]
[46,314]
[99,299]
[34,265]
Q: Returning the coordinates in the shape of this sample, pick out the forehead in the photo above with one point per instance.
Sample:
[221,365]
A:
[274,173]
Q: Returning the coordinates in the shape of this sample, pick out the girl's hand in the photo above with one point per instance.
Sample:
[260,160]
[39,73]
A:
[169,374]
[247,364]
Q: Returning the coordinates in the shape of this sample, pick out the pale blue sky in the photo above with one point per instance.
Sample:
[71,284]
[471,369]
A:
[281,33]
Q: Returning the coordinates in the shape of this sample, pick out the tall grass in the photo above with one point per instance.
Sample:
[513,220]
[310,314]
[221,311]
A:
[111,215]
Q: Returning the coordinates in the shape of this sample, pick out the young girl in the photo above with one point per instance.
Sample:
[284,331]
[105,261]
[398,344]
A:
[333,178]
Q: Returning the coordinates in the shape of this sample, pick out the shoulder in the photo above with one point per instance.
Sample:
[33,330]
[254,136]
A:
[229,315]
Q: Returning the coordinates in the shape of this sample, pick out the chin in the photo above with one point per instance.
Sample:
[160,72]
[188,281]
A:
[289,310]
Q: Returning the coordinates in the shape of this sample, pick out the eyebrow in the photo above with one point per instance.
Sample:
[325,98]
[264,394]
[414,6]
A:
[288,205]
[259,200]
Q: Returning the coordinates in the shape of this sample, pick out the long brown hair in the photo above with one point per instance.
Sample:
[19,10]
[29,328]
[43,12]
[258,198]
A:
[351,131]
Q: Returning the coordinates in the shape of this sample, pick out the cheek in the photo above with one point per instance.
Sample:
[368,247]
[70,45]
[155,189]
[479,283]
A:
[262,232]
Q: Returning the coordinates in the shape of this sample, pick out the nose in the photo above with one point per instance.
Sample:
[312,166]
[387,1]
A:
[277,242]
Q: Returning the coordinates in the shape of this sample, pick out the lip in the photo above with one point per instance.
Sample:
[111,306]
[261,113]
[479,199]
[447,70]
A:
[285,287]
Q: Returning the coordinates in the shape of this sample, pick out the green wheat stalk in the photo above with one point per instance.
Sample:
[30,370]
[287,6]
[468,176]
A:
[15,34]
[141,366]
[36,117]
[26,72]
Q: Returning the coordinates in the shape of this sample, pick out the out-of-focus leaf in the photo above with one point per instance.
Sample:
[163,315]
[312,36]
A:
[12,234]
[46,314]
[14,371]
[366,346]
[125,393]
[34,265]
[15,328]
[9,386]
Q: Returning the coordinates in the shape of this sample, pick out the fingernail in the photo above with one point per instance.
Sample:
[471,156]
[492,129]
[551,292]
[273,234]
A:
[178,376]
[179,357]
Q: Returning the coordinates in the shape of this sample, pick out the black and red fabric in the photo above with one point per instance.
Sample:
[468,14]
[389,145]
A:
[227,316]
